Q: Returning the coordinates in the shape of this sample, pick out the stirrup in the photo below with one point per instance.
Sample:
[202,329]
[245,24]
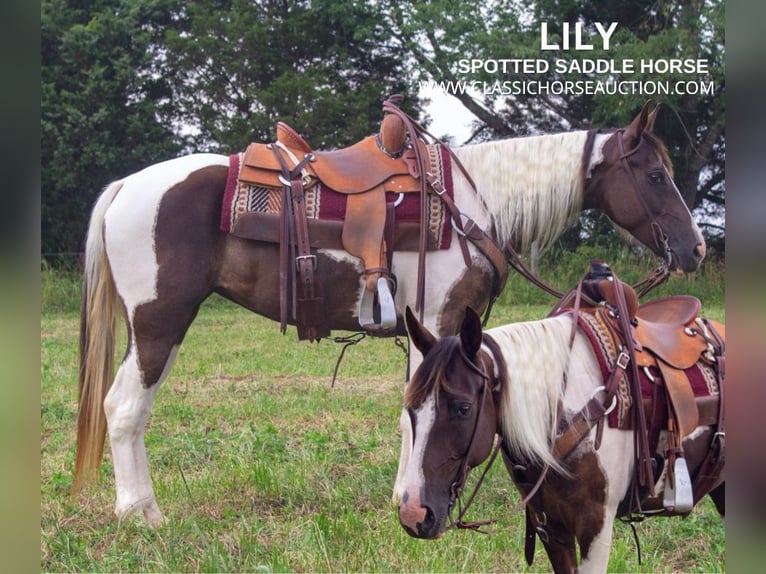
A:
[678,497]
[385,304]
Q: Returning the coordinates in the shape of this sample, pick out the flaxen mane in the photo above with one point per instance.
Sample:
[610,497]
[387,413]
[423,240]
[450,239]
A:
[532,186]
[537,355]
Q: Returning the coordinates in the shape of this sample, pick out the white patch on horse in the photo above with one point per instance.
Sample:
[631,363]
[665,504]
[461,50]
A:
[127,407]
[696,433]
[405,426]
[130,220]
[425,415]
[597,153]
[531,186]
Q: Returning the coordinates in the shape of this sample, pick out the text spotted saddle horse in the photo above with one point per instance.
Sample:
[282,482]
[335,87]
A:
[394,160]
[656,346]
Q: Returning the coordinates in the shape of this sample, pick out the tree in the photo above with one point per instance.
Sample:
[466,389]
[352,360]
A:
[323,66]
[99,107]
[126,83]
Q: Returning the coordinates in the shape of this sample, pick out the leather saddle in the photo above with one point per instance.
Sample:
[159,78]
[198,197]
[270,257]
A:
[668,335]
[364,172]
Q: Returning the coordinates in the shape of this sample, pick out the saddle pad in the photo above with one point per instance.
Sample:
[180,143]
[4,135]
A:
[323,203]
[700,375]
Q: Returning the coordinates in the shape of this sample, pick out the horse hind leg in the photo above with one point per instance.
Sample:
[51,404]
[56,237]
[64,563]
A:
[127,407]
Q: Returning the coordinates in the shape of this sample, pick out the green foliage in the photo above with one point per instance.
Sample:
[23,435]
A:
[99,106]
[441,32]
[60,288]
[323,66]
[127,83]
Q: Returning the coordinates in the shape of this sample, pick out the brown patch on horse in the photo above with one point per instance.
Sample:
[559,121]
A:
[432,373]
[574,506]
[188,216]
[661,150]
[468,291]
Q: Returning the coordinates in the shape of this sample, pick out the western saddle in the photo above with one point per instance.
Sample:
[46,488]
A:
[666,336]
[393,160]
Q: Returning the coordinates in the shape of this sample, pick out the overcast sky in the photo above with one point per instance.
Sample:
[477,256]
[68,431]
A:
[448,115]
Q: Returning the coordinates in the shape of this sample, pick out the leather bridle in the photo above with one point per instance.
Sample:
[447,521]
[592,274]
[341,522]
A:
[642,287]
[462,472]
[660,238]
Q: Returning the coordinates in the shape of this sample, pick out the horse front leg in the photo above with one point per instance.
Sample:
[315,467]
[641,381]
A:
[596,558]
[560,546]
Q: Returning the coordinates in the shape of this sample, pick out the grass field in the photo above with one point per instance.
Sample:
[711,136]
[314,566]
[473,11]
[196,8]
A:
[261,466]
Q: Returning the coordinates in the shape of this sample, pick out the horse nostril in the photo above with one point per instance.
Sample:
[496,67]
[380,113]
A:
[428,522]
[699,250]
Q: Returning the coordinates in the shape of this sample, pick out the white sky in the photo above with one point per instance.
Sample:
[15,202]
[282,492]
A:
[448,115]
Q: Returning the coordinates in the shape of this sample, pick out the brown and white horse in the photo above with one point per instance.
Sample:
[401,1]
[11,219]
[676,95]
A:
[521,381]
[155,252]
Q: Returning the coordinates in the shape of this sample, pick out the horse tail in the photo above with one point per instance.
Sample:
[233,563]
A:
[99,314]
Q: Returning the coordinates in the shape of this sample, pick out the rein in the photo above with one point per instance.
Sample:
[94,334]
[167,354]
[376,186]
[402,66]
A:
[462,473]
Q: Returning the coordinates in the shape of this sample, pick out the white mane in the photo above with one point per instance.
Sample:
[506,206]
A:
[531,186]
[538,356]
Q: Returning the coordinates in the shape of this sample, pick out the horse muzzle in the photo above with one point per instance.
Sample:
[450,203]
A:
[419,520]
[687,262]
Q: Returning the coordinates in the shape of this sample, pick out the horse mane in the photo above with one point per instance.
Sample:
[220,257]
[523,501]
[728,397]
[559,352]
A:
[531,186]
[432,374]
[537,355]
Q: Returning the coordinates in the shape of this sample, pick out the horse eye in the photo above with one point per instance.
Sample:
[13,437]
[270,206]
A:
[464,409]
[656,177]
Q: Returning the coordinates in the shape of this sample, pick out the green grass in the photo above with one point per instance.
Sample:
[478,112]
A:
[261,466]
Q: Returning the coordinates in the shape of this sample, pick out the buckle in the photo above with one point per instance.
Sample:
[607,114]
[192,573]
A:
[299,258]
[623,360]
[436,185]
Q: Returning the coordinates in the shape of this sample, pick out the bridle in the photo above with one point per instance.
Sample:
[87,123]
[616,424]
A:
[462,472]
[660,238]
[642,287]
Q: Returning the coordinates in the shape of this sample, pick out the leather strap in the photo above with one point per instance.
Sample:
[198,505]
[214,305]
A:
[307,301]
[659,235]
[643,454]
[713,464]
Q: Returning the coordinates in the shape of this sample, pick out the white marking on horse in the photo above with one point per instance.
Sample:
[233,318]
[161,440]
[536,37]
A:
[597,153]
[425,415]
[130,223]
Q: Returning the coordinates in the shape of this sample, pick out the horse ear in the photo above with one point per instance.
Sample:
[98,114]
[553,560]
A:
[639,124]
[651,118]
[470,333]
[420,336]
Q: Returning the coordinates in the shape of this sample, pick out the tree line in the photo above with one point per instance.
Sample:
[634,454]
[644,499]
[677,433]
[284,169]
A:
[127,83]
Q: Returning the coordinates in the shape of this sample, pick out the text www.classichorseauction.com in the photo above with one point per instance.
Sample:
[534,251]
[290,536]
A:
[614,73]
